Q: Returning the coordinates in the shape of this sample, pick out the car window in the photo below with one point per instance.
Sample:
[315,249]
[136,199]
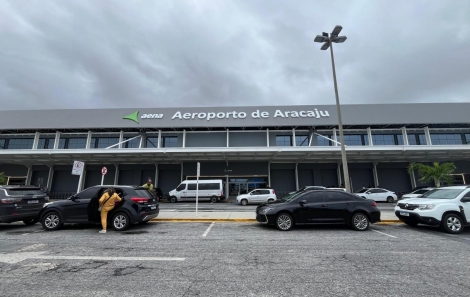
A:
[214,186]
[337,197]
[141,193]
[257,192]
[420,192]
[265,192]
[362,191]
[192,187]
[442,194]
[381,191]
[181,187]
[313,197]
[88,193]
[467,195]
[24,191]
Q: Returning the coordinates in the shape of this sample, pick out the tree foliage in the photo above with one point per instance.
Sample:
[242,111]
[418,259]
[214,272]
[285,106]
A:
[437,172]
[3,178]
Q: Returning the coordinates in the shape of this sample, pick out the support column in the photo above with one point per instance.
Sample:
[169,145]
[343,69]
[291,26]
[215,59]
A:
[155,182]
[81,180]
[376,175]
[335,137]
[269,174]
[427,135]
[88,140]
[405,136]
[184,138]
[227,187]
[49,177]
[159,139]
[338,172]
[36,140]
[296,176]
[57,140]
[142,139]
[267,137]
[294,143]
[121,139]
[116,174]
[181,172]
[369,135]
[413,179]
[228,138]
[29,175]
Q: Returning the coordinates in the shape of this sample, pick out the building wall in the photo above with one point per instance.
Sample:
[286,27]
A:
[136,174]
[63,180]
[283,178]
[39,172]
[206,139]
[169,177]
[93,175]
[13,169]
[394,177]
[240,139]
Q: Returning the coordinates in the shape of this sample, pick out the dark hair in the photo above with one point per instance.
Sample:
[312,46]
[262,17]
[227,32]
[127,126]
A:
[111,191]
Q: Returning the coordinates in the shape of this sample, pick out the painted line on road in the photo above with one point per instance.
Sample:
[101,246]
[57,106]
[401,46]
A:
[107,258]
[383,233]
[208,229]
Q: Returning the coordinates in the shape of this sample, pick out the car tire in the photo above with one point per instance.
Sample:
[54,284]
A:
[270,200]
[452,223]
[244,202]
[30,222]
[173,199]
[284,222]
[360,221]
[51,221]
[214,199]
[120,221]
[411,224]
[390,199]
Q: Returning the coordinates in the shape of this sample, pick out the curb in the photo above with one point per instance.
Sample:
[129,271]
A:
[383,222]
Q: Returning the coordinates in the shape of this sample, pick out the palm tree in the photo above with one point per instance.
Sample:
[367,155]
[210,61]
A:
[3,178]
[436,172]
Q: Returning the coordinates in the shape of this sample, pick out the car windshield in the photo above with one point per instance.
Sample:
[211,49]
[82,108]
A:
[290,197]
[442,194]
[23,191]
[420,192]
[363,191]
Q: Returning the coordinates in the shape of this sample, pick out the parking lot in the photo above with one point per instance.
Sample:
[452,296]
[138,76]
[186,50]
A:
[233,259]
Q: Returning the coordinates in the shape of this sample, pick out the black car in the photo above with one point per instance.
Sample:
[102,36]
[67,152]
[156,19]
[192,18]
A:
[21,203]
[137,206]
[319,207]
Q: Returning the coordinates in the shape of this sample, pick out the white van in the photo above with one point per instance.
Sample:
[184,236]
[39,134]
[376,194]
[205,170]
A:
[212,190]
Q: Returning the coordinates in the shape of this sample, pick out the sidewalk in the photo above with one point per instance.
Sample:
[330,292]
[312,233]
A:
[234,216]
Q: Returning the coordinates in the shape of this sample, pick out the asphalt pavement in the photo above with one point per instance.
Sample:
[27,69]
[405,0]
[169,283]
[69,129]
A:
[233,259]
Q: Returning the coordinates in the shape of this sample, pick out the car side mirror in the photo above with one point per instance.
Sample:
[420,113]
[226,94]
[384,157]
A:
[73,197]
[465,199]
[302,202]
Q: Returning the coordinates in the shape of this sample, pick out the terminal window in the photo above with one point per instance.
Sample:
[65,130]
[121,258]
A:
[413,139]
[152,141]
[170,141]
[20,143]
[134,143]
[107,142]
[383,139]
[441,139]
[283,140]
[301,140]
[76,143]
[46,143]
[353,140]
[322,141]
[467,138]
[3,143]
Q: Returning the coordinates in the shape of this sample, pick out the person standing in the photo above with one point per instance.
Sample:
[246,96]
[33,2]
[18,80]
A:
[107,203]
[148,185]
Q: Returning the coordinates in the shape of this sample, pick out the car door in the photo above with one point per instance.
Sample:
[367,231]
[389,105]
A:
[77,208]
[315,210]
[373,194]
[265,195]
[255,196]
[466,206]
[382,194]
[339,205]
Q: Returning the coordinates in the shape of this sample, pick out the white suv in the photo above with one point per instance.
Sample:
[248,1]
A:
[257,196]
[448,207]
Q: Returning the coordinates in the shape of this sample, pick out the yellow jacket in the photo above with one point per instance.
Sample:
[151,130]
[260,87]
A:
[110,202]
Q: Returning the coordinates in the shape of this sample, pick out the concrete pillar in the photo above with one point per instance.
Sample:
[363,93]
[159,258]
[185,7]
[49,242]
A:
[269,174]
[29,175]
[369,135]
[116,174]
[121,138]
[228,138]
[294,143]
[267,139]
[296,176]
[335,137]
[405,136]
[184,138]
[36,140]
[427,136]
[227,188]
[159,139]
[57,140]
[49,177]
[155,182]
[376,175]
[88,140]
[338,172]
[181,172]
[413,179]
[142,139]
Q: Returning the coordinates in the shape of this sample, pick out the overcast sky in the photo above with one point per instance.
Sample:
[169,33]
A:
[99,54]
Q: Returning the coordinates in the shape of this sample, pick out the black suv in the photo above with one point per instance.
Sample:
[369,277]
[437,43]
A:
[21,203]
[137,206]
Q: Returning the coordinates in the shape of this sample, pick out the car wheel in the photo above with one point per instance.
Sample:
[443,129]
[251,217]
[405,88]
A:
[120,221]
[173,199]
[360,221]
[452,223]
[270,200]
[411,224]
[51,221]
[214,199]
[30,222]
[390,199]
[284,222]
[244,202]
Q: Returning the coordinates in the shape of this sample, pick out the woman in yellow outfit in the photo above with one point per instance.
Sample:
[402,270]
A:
[107,202]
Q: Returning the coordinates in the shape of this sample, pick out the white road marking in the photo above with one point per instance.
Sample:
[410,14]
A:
[163,210]
[383,233]
[208,229]
[109,258]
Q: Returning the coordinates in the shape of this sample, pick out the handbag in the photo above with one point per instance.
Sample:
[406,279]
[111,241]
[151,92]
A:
[101,206]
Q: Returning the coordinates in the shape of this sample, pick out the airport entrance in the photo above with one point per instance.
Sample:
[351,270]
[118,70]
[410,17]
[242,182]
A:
[237,185]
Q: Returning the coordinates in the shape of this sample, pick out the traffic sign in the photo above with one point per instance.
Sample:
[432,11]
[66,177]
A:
[104,170]
[77,168]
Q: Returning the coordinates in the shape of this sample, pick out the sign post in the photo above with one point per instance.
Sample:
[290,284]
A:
[197,184]
[77,169]
[104,170]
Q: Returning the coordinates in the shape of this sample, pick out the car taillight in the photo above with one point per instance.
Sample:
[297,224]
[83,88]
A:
[274,192]
[374,203]
[140,200]
[10,200]
[221,194]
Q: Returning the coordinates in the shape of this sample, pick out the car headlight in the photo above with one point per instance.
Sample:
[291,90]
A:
[426,206]
[266,209]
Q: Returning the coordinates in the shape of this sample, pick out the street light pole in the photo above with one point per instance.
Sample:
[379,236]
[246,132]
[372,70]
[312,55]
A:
[340,124]
[327,40]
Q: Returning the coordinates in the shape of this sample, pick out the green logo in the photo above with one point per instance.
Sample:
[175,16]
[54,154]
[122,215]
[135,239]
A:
[133,117]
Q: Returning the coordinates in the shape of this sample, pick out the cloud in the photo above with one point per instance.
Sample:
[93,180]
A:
[106,54]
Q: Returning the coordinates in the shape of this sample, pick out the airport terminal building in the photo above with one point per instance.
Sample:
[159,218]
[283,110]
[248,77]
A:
[287,147]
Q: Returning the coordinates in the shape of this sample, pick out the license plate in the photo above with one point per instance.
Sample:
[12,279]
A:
[153,207]
[405,214]
[33,201]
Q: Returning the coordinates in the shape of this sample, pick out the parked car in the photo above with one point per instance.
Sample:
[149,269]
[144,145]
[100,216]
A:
[319,207]
[416,193]
[308,187]
[21,203]
[212,190]
[257,196]
[378,194]
[137,206]
[447,207]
